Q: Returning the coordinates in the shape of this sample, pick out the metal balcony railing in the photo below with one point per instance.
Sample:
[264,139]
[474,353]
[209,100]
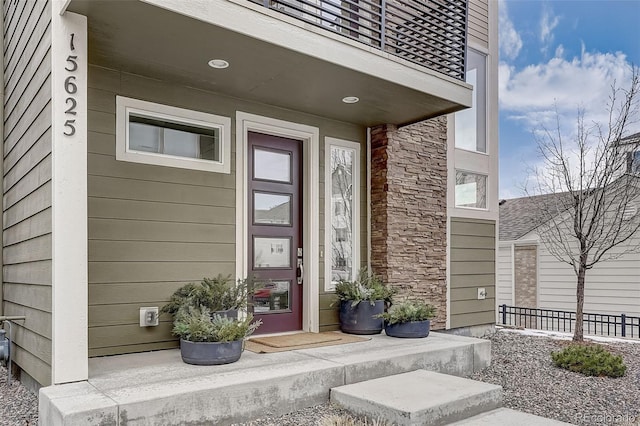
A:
[432,33]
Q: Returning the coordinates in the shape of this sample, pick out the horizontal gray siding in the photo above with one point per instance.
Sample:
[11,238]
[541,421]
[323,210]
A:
[147,224]
[478,25]
[152,228]
[26,182]
[472,265]
[611,287]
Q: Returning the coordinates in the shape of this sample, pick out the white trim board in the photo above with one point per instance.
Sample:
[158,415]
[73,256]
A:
[69,295]
[310,136]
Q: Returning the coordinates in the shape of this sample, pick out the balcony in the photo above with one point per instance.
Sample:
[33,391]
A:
[404,59]
[431,33]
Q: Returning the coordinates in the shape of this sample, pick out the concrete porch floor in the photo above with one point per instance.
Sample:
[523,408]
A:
[155,388]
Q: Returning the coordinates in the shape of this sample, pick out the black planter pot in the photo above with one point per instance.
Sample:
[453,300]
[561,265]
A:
[412,330]
[359,319]
[210,353]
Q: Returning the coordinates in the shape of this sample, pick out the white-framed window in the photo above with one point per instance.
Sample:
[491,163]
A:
[471,123]
[163,135]
[634,162]
[342,211]
[471,190]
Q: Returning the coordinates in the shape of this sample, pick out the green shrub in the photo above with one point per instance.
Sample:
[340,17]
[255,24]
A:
[591,360]
[216,294]
[408,311]
[368,286]
[196,325]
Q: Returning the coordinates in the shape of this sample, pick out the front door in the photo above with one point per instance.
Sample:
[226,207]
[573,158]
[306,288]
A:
[275,231]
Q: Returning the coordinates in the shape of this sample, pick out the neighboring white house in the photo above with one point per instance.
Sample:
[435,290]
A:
[530,276]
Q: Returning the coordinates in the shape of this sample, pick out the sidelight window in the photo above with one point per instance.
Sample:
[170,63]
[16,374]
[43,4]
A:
[342,195]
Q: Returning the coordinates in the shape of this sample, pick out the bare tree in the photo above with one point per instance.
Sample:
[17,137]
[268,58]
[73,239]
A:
[595,213]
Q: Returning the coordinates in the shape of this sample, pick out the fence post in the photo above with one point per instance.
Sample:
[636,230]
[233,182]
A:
[623,318]
[504,314]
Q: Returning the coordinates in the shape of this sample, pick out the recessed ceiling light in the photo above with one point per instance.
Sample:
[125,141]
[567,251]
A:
[218,64]
[350,99]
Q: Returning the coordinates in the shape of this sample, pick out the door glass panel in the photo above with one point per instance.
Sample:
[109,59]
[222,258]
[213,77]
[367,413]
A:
[271,165]
[271,209]
[271,252]
[271,296]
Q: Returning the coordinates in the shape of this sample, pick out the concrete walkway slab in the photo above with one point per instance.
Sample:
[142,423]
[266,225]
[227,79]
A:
[419,398]
[508,417]
[158,388]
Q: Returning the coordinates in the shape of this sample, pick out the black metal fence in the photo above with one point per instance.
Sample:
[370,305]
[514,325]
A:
[548,319]
[431,33]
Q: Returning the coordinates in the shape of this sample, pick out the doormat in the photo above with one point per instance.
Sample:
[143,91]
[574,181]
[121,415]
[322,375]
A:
[290,342]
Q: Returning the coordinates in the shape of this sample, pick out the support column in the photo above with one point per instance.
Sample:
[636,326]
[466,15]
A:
[69,334]
[409,210]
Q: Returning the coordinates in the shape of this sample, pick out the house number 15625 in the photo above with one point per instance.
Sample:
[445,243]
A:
[71,89]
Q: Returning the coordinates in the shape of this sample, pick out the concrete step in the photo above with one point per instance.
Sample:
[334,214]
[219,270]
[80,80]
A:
[419,397]
[508,417]
[158,388]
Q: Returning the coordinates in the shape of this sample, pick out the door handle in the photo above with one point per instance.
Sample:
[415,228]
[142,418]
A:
[300,271]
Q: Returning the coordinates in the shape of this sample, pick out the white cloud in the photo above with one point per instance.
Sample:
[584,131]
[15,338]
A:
[530,94]
[510,40]
[548,22]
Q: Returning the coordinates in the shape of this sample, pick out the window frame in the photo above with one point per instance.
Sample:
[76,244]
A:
[329,210]
[634,163]
[486,195]
[126,106]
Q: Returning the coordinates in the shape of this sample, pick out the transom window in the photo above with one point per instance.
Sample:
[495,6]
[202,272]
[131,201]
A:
[175,137]
[170,138]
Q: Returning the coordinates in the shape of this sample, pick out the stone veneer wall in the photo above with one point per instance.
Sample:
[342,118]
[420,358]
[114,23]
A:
[526,267]
[526,280]
[409,210]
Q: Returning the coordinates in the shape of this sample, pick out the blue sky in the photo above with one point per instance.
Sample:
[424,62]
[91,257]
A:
[567,52]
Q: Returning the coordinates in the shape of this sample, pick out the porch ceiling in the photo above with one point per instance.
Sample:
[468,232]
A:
[148,40]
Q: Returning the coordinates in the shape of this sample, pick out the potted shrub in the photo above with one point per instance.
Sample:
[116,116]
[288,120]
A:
[361,303]
[410,318]
[207,341]
[220,295]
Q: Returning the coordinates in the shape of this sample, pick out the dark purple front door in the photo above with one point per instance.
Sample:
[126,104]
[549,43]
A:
[275,231]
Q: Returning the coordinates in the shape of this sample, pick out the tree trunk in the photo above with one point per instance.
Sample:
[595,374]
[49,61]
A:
[578,335]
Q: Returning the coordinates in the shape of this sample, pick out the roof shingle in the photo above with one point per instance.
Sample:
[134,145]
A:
[519,216]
